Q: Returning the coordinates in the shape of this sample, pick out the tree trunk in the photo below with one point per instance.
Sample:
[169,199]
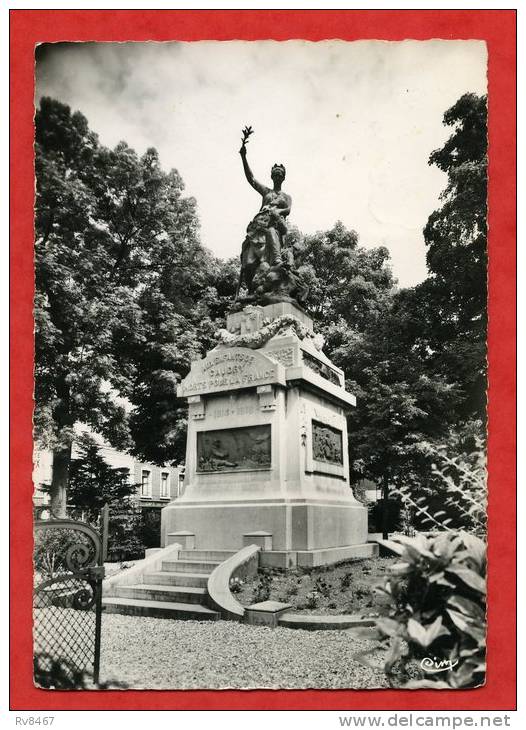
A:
[60,480]
[385,507]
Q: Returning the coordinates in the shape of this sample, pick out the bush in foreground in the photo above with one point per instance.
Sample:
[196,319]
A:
[436,623]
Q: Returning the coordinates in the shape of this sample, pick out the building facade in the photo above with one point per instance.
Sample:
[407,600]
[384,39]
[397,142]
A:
[156,485]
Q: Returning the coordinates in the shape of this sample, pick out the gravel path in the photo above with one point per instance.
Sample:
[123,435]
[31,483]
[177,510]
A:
[149,653]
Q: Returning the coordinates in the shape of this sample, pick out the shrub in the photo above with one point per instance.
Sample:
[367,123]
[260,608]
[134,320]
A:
[407,516]
[150,533]
[125,532]
[52,547]
[437,615]
[376,514]
[455,495]
[50,672]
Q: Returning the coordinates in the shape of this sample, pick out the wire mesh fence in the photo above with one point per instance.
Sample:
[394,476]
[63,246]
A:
[68,576]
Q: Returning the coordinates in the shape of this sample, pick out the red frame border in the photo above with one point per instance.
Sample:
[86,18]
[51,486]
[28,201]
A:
[498,29]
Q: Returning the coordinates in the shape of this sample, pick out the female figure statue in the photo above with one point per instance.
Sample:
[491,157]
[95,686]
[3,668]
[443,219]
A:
[261,248]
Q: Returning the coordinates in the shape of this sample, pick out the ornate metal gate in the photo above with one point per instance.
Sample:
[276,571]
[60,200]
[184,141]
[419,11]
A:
[68,573]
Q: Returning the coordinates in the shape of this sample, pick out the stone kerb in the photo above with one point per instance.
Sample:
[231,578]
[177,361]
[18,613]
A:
[324,622]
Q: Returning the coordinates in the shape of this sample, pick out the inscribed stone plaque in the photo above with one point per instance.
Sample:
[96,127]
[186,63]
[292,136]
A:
[231,369]
[327,443]
[233,449]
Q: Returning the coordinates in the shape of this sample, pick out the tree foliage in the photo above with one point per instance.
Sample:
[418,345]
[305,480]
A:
[415,357]
[453,299]
[435,625]
[123,291]
[93,482]
[126,297]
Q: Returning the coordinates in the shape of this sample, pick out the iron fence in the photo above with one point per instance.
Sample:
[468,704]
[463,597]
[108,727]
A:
[67,602]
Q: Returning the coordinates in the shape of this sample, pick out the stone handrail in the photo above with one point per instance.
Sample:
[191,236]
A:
[134,575]
[244,562]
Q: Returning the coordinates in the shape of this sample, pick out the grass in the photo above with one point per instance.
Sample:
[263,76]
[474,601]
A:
[347,587]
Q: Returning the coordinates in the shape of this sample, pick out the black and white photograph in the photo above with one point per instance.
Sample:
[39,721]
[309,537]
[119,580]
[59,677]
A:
[260,365]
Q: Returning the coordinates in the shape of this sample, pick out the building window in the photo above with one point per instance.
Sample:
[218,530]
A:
[165,485]
[146,483]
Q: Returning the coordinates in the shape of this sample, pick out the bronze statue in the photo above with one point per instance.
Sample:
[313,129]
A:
[264,238]
[268,267]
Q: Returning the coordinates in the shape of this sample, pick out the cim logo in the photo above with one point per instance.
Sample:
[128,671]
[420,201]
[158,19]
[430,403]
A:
[435,665]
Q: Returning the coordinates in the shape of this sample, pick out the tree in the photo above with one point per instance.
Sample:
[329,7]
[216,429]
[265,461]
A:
[366,324]
[123,288]
[415,357]
[347,283]
[93,482]
[453,300]
[399,405]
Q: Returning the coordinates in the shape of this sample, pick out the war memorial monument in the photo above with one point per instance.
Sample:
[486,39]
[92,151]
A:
[266,458]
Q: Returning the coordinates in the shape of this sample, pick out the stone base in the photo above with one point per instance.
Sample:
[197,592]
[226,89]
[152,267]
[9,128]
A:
[266,613]
[283,559]
[295,525]
[250,318]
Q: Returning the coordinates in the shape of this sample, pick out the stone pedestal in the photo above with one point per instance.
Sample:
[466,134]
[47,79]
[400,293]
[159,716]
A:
[267,441]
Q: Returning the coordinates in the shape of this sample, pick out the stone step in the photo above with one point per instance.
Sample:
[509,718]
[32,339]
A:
[152,592]
[165,578]
[189,566]
[158,609]
[206,555]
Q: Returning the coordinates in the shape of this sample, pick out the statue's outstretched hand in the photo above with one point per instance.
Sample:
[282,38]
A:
[247,131]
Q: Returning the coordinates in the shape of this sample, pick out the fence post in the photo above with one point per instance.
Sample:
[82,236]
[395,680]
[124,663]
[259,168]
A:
[105,513]
[385,507]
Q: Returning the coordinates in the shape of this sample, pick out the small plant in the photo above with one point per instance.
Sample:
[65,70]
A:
[360,592]
[236,585]
[346,581]
[322,587]
[311,599]
[261,590]
[436,621]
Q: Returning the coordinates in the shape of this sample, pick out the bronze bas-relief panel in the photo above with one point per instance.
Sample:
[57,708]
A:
[321,368]
[327,443]
[234,449]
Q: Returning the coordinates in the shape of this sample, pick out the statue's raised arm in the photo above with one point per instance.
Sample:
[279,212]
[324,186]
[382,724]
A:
[247,131]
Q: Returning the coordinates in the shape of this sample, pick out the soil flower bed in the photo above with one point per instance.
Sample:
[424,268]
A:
[347,587]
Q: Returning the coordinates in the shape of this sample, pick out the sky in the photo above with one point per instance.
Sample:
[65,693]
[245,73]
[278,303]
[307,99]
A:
[353,122]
